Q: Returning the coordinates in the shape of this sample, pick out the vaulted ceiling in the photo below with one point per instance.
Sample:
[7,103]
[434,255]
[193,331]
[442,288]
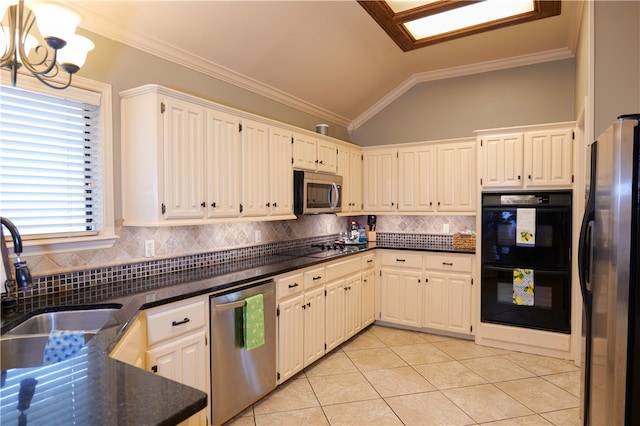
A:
[328,58]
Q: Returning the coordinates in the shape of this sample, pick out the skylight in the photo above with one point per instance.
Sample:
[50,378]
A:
[414,24]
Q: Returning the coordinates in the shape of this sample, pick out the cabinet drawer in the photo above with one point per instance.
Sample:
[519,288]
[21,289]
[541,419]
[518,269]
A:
[344,268]
[449,263]
[368,261]
[314,277]
[165,322]
[402,259]
[289,286]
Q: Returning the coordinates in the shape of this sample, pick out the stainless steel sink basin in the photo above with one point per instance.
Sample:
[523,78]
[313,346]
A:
[88,320]
[25,351]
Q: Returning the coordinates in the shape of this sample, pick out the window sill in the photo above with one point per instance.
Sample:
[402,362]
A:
[64,245]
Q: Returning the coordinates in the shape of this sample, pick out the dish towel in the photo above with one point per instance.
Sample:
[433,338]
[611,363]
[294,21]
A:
[63,344]
[523,287]
[253,318]
[526,227]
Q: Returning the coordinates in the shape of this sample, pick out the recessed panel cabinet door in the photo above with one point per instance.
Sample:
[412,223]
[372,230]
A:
[401,297]
[290,337]
[417,179]
[222,146]
[314,325]
[335,314]
[255,169]
[381,179]
[368,297]
[548,158]
[281,172]
[502,160]
[457,177]
[183,160]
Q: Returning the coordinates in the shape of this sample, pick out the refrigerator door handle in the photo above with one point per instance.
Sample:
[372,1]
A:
[585,247]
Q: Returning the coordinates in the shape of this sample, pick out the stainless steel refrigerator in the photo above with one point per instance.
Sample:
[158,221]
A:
[608,265]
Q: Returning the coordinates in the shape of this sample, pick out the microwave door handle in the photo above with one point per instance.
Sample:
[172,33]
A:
[334,188]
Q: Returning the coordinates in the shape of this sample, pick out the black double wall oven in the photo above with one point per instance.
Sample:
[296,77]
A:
[526,260]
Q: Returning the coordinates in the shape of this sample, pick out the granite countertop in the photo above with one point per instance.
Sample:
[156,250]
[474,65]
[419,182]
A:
[117,393]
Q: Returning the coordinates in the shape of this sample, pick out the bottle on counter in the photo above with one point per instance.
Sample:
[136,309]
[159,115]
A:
[354,231]
[362,238]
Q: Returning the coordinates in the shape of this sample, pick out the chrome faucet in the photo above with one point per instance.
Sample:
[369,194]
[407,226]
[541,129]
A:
[23,278]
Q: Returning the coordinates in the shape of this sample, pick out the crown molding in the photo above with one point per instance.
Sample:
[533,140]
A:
[516,61]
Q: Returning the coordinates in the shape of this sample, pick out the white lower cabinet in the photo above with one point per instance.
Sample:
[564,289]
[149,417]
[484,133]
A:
[321,307]
[177,346]
[430,291]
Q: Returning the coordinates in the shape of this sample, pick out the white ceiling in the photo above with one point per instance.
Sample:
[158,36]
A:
[325,57]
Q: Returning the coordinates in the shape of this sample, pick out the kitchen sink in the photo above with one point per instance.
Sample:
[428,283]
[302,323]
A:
[25,351]
[88,320]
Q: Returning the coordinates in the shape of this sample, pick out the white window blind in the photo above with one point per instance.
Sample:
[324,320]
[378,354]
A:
[50,168]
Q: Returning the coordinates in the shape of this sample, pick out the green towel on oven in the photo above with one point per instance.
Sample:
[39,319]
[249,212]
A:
[253,316]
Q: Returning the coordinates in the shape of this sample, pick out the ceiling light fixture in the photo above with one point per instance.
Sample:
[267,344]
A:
[64,50]
[415,24]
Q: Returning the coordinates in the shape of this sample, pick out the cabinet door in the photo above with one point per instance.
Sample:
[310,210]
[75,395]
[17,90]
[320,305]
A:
[222,146]
[183,163]
[335,313]
[344,170]
[281,182]
[380,180]
[290,337]
[416,179]
[502,160]
[459,304]
[457,177]
[435,302]
[548,158]
[305,154]
[368,297]
[447,301]
[355,181]
[314,325]
[353,306]
[327,157]
[182,359]
[401,297]
[255,168]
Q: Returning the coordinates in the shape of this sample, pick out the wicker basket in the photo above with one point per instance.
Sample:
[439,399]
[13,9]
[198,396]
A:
[464,242]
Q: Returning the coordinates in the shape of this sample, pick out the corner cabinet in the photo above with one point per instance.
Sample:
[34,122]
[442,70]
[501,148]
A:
[531,157]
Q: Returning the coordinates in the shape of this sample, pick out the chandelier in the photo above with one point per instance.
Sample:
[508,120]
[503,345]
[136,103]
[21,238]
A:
[62,51]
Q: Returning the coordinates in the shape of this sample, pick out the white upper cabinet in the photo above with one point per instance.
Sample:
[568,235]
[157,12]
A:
[281,174]
[183,147]
[502,160]
[255,168]
[417,178]
[529,157]
[457,177]
[222,158]
[428,177]
[548,158]
[380,176]
[310,153]
[350,168]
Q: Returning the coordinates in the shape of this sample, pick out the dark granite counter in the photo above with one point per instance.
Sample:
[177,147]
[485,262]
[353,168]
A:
[117,393]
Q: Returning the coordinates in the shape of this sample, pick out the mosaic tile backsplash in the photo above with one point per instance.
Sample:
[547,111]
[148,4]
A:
[181,249]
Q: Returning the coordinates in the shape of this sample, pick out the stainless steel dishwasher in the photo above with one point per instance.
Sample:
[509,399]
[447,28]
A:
[240,377]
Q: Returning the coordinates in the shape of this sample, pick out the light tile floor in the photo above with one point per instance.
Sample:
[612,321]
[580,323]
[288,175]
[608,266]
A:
[386,376]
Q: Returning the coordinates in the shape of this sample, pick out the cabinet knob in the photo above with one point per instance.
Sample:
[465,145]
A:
[275,204]
[529,177]
[308,304]
[268,204]
[213,205]
[518,177]
[203,204]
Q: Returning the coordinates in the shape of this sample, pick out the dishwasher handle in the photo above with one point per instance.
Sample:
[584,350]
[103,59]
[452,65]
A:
[236,304]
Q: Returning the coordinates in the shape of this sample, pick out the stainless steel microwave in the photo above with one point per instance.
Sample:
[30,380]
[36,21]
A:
[316,193]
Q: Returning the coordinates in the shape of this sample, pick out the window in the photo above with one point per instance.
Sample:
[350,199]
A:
[55,164]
